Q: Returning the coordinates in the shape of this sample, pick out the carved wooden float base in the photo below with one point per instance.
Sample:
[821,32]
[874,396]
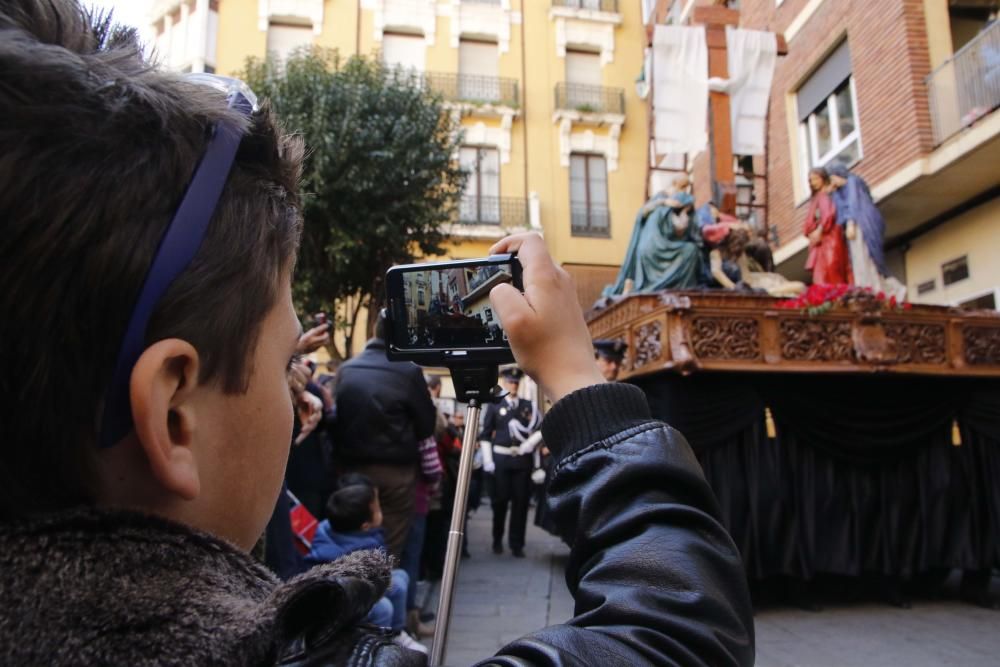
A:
[695,331]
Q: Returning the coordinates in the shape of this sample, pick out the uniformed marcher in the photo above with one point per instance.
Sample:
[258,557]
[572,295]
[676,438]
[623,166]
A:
[609,355]
[507,450]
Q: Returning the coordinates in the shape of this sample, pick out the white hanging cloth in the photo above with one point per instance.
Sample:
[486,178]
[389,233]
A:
[752,55]
[680,89]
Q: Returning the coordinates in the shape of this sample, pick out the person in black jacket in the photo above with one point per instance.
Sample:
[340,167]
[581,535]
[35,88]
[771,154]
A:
[384,410]
[135,549]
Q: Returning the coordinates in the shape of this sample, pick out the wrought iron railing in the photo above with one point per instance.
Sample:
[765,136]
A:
[506,211]
[474,88]
[590,221]
[590,99]
[599,5]
[967,86]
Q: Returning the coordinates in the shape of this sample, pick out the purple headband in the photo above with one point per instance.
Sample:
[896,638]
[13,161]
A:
[180,243]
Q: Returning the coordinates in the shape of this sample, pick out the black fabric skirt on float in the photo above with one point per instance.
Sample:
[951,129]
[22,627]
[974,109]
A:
[865,474]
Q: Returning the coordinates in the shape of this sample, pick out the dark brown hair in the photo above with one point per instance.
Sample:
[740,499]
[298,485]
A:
[822,173]
[96,150]
[350,506]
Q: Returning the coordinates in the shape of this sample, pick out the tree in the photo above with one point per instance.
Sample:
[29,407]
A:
[380,181]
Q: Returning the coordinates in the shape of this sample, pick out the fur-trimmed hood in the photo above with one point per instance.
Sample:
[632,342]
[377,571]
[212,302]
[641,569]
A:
[113,587]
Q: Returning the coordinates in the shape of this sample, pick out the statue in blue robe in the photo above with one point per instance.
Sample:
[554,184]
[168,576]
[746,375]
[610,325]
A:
[665,251]
[864,228]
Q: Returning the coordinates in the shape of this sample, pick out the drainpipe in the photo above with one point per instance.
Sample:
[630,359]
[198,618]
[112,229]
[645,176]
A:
[357,30]
[524,117]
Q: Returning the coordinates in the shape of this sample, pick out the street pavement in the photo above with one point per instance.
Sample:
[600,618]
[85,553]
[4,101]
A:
[500,598]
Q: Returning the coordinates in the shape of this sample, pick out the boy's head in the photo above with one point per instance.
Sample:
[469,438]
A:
[354,505]
[97,149]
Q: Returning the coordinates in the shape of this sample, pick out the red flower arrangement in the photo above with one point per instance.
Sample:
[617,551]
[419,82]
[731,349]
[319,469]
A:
[818,299]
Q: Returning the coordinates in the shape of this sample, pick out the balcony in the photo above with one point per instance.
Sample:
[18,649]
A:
[591,221]
[964,100]
[587,99]
[610,6]
[966,87]
[497,211]
[475,89]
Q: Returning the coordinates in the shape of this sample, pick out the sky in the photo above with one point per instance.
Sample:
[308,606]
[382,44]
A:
[130,12]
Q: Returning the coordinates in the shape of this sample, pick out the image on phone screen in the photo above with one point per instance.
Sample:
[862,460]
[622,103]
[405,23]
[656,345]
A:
[450,307]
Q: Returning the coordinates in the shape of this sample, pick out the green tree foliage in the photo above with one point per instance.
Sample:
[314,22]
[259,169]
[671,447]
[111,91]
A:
[380,181]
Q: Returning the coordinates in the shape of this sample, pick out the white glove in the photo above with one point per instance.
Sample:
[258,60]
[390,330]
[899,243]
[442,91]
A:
[538,476]
[515,450]
[529,445]
[487,449]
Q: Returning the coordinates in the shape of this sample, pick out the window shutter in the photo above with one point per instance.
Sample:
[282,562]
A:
[408,51]
[479,58]
[283,39]
[833,72]
[583,68]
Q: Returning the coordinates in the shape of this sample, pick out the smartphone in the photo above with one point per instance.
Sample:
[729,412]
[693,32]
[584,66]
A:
[439,314]
[323,319]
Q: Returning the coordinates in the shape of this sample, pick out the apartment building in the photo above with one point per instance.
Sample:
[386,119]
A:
[554,132]
[184,33]
[907,93]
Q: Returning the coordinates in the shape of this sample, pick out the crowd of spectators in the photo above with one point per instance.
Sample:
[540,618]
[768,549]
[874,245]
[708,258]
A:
[374,460]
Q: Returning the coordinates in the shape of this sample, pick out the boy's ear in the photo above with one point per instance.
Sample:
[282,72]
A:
[162,390]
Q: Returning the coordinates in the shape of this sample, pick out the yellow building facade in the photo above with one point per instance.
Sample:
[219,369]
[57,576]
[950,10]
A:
[555,136]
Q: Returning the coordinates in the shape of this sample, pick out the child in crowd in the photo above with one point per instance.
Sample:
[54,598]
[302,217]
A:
[354,523]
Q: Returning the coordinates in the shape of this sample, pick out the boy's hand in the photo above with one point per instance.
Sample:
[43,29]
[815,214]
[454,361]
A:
[545,324]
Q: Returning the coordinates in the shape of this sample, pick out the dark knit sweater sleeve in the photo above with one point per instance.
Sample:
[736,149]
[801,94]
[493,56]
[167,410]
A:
[591,415]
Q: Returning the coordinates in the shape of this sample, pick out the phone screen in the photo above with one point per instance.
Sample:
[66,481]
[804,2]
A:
[446,306]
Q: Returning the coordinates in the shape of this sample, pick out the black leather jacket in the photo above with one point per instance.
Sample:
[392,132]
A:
[656,578]
[383,409]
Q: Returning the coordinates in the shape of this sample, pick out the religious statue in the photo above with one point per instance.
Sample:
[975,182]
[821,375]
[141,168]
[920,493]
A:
[665,251]
[864,227]
[828,258]
[730,263]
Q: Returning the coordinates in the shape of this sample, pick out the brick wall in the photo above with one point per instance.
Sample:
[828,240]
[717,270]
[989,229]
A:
[890,60]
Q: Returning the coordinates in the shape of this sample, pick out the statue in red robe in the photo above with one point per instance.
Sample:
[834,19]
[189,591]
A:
[828,260]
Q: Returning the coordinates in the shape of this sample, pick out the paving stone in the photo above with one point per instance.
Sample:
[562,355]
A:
[501,598]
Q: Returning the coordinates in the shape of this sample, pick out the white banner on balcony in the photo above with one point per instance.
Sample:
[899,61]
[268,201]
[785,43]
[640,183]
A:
[752,57]
[680,89]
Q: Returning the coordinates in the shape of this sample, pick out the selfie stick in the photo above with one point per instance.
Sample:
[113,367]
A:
[475,385]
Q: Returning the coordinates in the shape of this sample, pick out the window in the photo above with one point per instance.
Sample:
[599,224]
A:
[955,270]
[583,67]
[589,4]
[404,51]
[583,82]
[478,67]
[828,117]
[830,133]
[926,286]
[588,195]
[481,199]
[985,302]
[283,39]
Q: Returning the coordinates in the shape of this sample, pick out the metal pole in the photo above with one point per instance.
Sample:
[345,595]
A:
[455,535]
